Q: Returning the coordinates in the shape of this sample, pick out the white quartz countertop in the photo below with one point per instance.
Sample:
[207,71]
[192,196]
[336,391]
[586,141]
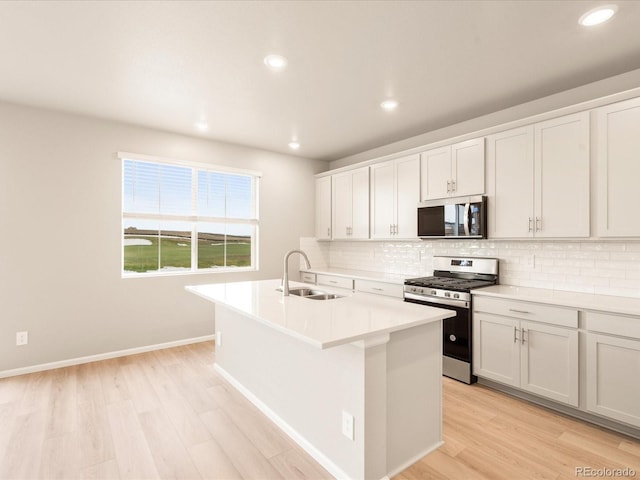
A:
[323,323]
[396,278]
[582,301]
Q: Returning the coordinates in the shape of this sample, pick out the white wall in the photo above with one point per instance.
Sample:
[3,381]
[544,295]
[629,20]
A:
[604,267]
[60,235]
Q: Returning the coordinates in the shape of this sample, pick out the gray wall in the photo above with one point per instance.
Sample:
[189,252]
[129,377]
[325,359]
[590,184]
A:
[602,88]
[60,235]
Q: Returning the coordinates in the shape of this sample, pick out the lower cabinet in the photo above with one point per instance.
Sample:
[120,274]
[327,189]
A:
[613,367]
[532,356]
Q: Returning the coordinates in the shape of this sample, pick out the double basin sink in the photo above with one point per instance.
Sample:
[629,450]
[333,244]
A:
[312,293]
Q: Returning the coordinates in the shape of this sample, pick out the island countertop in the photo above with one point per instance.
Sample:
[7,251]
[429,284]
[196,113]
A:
[322,323]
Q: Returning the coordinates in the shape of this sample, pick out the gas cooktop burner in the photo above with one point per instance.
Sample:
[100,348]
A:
[455,284]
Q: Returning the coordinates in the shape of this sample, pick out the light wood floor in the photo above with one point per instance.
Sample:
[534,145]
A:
[167,414]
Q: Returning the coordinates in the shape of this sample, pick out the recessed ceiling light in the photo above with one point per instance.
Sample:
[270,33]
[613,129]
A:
[294,145]
[598,15]
[275,62]
[202,126]
[389,105]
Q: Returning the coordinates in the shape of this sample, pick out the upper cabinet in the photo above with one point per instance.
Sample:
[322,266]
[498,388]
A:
[538,179]
[562,177]
[453,171]
[395,193]
[323,208]
[350,204]
[618,168]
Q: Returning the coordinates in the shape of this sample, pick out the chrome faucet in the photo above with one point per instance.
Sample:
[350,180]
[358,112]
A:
[285,275]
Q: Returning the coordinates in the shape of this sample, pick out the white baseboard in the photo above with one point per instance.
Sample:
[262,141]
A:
[320,457]
[102,356]
[413,460]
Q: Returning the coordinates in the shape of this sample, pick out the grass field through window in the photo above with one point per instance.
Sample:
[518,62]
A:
[147,253]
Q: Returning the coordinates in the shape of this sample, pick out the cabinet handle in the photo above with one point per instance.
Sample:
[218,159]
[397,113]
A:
[518,311]
[333,281]
[522,336]
[448,186]
[395,229]
[377,289]
[329,232]
[390,229]
[538,224]
[530,224]
[515,334]
[453,185]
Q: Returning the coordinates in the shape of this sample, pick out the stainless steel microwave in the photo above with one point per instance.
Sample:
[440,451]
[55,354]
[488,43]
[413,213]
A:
[460,217]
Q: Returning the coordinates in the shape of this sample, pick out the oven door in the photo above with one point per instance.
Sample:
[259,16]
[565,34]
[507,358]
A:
[456,338]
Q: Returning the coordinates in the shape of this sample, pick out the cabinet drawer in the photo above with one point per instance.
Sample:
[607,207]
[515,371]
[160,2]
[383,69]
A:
[536,312]
[332,281]
[307,277]
[379,288]
[613,324]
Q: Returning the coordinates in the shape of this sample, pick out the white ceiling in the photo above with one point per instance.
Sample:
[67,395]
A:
[167,64]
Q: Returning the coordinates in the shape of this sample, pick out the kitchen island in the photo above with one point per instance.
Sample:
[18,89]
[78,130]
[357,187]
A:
[355,381]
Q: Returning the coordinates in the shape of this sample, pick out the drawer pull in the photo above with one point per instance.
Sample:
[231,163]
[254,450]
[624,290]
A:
[518,311]
[333,281]
[377,289]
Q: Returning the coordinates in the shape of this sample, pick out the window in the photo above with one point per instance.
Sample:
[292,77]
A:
[183,218]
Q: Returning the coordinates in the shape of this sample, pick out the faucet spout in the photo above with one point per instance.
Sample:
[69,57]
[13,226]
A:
[285,275]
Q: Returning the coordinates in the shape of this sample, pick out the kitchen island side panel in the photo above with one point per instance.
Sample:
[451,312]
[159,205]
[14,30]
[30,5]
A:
[306,387]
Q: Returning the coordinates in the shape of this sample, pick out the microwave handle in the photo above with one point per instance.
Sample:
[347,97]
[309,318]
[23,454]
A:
[465,220]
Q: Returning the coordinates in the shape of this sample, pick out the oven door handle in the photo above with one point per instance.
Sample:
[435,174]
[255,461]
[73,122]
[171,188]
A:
[465,220]
[434,301]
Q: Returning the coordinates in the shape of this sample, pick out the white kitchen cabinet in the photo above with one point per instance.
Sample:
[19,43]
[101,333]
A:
[613,366]
[618,168]
[562,177]
[350,204]
[510,183]
[395,193]
[379,288]
[540,358]
[334,281]
[496,348]
[538,180]
[453,171]
[323,208]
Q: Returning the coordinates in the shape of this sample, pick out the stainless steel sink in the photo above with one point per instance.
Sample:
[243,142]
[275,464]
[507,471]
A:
[324,296]
[312,293]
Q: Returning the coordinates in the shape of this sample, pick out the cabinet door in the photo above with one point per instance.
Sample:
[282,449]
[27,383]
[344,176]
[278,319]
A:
[467,167]
[407,173]
[618,169]
[382,199]
[549,361]
[562,176]
[360,204]
[613,369]
[323,208]
[510,183]
[496,348]
[341,205]
[436,173]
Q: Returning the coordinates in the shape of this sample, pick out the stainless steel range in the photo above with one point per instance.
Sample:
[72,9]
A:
[449,287]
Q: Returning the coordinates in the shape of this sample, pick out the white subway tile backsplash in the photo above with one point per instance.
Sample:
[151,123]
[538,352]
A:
[606,267]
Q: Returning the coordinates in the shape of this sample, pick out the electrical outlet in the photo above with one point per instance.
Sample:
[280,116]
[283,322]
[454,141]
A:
[22,338]
[347,425]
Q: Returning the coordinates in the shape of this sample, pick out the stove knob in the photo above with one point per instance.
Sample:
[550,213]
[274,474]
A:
[456,295]
[447,294]
[433,292]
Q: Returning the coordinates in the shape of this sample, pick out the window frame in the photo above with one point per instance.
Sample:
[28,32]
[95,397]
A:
[194,218]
